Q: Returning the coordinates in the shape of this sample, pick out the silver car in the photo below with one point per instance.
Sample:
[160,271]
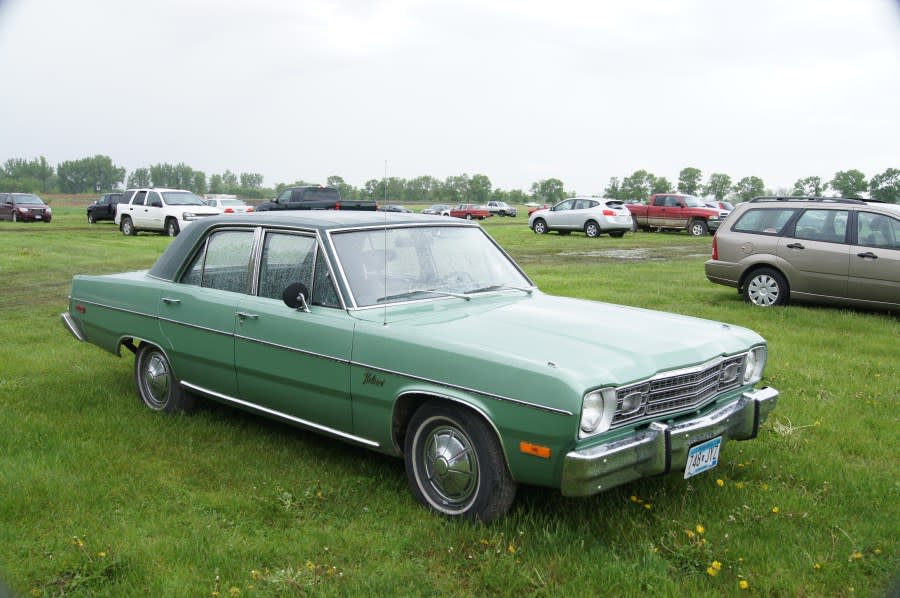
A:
[824,250]
[593,215]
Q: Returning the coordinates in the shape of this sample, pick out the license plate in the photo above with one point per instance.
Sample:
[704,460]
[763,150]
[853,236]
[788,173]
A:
[703,457]
[37,217]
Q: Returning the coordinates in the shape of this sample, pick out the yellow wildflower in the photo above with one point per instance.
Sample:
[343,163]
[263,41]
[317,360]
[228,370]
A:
[775,509]
[511,549]
[254,574]
[744,584]
[689,533]
[739,485]
[700,529]
[817,566]
[633,498]
[877,551]
[648,506]
[711,572]
[856,555]
[717,565]
[720,482]
[234,591]
[102,554]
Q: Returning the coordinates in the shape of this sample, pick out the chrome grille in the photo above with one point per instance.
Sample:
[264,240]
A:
[674,391]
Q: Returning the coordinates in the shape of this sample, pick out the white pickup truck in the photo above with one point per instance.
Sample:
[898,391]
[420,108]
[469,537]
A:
[161,210]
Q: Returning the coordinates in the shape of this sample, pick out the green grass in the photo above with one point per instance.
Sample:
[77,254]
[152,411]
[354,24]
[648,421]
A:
[100,497]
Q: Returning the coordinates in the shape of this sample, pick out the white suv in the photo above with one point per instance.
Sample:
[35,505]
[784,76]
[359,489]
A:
[161,210]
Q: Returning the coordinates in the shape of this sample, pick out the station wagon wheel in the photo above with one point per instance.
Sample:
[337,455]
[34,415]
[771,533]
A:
[766,288]
[127,227]
[592,229]
[157,385]
[455,465]
[539,226]
[698,228]
[172,227]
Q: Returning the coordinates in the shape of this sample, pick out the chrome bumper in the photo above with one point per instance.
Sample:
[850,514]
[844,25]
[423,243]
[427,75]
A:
[662,448]
[71,326]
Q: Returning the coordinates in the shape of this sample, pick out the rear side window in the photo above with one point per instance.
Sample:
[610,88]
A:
[764,221]
[822,225]
[877,230]
[224,264]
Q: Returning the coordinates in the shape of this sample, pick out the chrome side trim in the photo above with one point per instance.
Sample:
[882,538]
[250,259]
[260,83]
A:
[293,349]
[283,416]
[194,326]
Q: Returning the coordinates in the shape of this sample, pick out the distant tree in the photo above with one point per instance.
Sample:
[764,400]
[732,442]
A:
[198,182]
[479,190]
[37,170]
[229,180]
[637,186]
[886,186]
[660,185]
[140,177]
[89,175]
[422,188]
[548,191]
[748,187]
[614,189]
[849,183]
[251,180]
[718,185]
[216,185]
[455,188]
[811,185]
[346,190]
[690,180]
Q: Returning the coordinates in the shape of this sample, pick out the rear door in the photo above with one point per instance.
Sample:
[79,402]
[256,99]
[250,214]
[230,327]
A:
[818,252]
[875,259]
[289,361]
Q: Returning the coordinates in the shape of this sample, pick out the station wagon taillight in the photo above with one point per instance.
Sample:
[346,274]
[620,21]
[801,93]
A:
[715,254]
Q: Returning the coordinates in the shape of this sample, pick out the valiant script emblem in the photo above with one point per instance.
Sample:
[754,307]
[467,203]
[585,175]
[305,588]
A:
[370,378]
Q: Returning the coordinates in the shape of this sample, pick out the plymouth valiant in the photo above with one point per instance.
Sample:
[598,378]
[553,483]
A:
[419,337]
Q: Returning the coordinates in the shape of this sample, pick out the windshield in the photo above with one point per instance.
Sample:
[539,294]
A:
[231,202]
[413,263]
[182,198]
[27,200]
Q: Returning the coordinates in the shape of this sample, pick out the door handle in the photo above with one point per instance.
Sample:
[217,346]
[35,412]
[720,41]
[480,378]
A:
[795,246]
[245,316]
[867,254]
[170,301]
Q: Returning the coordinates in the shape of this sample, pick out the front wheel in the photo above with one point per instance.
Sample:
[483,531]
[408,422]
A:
[91,218]
[15,217]
[592,229]
[455,466]
[766,288]
[617,234]
[698,228]
[156,383]
[539,226]
[127,227]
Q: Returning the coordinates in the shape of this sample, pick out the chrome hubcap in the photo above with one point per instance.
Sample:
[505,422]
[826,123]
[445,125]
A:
[156,381]
[451,466]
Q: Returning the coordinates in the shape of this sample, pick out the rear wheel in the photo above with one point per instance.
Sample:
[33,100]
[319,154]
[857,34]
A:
[157,385]
[766,288]
[455,465]
[127,227]
[539,226]
[698,228]
[592,229]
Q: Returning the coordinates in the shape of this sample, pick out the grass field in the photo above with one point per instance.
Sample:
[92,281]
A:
[100,497]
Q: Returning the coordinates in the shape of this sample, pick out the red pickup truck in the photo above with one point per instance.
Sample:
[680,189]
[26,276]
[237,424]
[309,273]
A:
[672,211]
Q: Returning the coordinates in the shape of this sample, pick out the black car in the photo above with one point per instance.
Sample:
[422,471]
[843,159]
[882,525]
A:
[104,208]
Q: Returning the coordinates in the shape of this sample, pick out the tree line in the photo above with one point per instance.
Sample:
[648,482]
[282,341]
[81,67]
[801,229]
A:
[98,174]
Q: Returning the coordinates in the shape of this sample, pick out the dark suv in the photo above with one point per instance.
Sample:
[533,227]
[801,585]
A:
[820,249]
[104,208]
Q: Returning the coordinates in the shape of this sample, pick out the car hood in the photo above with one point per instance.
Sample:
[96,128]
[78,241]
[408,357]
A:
[545,346]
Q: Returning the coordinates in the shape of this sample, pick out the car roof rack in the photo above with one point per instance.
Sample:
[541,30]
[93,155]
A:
[850,200]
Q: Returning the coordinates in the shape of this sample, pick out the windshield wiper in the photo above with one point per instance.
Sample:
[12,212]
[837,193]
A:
[500,287]
[409,294]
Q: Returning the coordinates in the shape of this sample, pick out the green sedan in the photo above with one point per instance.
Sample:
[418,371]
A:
[419,337]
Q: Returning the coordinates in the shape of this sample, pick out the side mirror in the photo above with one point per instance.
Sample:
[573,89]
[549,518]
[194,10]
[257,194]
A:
[294,296]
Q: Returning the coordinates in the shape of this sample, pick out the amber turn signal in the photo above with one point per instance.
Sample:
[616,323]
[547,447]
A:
[535,449]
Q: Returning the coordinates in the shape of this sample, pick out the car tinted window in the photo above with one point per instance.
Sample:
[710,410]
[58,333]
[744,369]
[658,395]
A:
[286,259]
[822,225]
[139,198]
[877,230]
[764,221]
[224,263]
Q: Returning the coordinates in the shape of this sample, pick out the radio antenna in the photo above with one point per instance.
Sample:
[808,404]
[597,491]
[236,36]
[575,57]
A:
[384,209]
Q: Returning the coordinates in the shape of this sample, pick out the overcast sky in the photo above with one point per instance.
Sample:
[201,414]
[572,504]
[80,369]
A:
[518,90]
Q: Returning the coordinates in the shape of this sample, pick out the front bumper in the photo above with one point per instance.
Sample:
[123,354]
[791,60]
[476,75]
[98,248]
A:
[662,448]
